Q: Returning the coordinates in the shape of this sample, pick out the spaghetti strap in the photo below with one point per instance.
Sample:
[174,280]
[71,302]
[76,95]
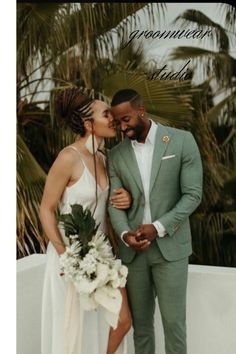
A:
[85,166]
[71,147]
[80,155]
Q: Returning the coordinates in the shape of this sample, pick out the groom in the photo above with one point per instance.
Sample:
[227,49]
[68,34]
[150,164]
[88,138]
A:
[161,168]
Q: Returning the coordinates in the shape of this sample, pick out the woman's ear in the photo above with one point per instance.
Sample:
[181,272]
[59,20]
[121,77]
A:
[88,125]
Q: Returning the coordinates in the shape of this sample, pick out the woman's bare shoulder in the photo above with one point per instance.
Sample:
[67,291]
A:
[66,157]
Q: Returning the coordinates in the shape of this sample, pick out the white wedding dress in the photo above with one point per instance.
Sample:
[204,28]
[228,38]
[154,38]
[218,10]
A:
[66,328]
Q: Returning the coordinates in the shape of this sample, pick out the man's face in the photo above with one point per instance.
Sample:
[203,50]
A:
[128,119]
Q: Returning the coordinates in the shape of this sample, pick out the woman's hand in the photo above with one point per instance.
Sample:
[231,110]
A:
[121,199]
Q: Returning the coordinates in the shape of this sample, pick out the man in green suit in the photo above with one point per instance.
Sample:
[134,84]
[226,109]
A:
[161,168]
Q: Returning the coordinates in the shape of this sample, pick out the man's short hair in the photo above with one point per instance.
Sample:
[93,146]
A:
[127,95]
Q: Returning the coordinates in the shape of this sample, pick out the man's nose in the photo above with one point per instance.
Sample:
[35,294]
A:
[123,126]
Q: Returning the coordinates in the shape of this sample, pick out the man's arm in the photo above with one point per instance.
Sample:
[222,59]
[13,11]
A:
[118,217]
[191,187]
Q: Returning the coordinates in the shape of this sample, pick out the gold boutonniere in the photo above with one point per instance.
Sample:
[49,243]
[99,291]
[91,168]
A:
[166,139]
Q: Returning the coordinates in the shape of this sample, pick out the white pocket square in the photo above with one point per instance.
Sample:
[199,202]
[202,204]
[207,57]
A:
[168,157]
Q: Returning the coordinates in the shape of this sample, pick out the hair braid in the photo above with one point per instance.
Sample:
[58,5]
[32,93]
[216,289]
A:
[72,108]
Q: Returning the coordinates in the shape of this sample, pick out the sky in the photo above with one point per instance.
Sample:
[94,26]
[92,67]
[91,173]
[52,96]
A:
[162,47]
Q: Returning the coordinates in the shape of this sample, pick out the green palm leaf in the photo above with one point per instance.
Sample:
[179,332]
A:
[30,183]
[216,64]
[229,13]
[214,112]
[79,222]
[204,22]
[170,101]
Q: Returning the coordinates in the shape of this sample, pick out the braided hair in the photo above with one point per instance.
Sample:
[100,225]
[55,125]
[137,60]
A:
[73,108]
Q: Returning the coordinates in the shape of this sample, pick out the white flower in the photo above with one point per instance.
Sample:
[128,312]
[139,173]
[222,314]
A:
[113,274]
[88,264]
[115,283]
[123,271]
[94,252]
[117,264]
[86,286]
[102,273]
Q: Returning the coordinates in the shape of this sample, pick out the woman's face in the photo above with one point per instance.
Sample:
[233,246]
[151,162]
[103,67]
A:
[104,126]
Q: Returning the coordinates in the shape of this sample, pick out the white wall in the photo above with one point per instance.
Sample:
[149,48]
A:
[211,309]
[30,272]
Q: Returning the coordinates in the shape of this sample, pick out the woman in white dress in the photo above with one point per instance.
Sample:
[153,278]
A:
[78,175]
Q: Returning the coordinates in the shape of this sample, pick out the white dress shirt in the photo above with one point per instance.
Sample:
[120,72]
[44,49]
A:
[144,154]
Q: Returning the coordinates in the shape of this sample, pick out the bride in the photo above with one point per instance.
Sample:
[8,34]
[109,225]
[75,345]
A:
[78,176]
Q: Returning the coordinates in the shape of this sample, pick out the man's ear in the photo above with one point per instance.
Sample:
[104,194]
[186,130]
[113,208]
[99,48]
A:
[141,110]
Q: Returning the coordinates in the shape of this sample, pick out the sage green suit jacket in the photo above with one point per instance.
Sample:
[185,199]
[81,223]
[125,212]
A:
[175,190]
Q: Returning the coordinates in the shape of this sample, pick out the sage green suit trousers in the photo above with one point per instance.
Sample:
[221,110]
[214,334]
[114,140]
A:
[150,275]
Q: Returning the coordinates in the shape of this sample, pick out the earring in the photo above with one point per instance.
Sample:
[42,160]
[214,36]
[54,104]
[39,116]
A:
[89,144]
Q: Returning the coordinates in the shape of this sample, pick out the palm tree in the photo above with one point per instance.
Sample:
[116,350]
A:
[214,223]
[52,37]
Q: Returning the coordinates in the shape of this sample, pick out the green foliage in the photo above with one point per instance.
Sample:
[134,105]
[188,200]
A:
[79,222]
[30,183]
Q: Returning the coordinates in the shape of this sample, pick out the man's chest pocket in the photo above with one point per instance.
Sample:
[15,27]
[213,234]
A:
[169,165]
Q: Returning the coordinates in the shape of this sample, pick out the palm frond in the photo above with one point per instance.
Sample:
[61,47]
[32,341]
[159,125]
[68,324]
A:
[204,22]
[215,64]
[214,112]
[79,222]
[211,233]
[37,31]
[169,100]
[229,14]
[30,182]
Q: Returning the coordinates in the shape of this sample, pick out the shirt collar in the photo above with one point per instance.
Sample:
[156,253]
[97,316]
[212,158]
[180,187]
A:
[150,137]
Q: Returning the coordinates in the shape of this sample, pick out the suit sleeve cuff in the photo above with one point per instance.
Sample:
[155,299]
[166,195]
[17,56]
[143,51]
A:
[160,228]
[122,238]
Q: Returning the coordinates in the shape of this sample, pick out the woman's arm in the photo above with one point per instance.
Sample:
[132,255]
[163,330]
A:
[121,198]
[57,179]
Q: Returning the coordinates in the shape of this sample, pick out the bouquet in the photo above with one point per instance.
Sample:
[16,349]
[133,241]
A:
[90,265]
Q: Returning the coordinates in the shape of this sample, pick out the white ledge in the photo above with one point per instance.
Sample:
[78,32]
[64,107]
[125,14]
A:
[211,309]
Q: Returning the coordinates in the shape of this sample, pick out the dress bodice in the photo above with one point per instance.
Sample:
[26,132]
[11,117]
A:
[83,192]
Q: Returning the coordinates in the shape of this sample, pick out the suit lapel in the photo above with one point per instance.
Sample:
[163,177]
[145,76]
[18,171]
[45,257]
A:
[128,155]
[161,143]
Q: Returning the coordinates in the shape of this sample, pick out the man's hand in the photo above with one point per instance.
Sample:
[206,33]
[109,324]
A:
[137,245]
[121,199]
[146,232]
